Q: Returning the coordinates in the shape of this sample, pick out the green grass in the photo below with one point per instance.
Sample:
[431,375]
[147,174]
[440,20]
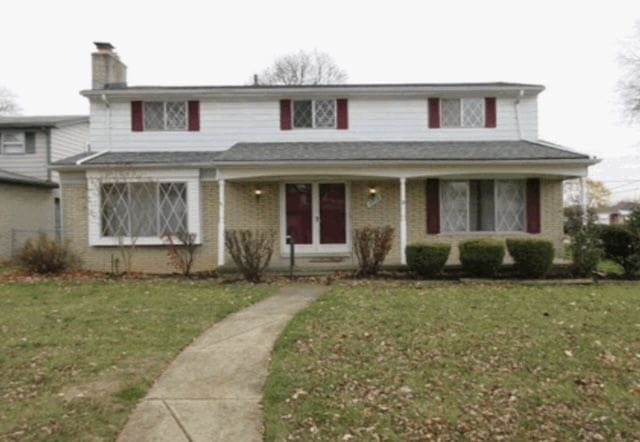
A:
[460,362]
[76,357]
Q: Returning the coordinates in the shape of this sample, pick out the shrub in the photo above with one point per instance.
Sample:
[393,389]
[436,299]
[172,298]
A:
[621,246]
[183,252]
[44,255]
[481,257]
[427,259]
[251,251]
[586,250]
[532,257]
[371,246]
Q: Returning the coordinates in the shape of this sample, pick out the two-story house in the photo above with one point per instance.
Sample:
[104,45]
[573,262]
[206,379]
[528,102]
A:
[29,193]
[437,162]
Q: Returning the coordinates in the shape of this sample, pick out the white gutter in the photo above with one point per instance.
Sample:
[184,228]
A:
[517,113]
[90,157]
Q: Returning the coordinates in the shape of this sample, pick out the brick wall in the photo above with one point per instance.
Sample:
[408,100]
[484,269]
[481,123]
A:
[151,259]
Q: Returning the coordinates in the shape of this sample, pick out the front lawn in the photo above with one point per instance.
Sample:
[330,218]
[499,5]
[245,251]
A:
[470,362]
[76,356]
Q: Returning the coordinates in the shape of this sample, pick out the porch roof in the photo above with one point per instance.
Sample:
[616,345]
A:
[15,178]
[332,152]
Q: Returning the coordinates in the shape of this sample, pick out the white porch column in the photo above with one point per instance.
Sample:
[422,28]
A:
[220,223]
[403,220]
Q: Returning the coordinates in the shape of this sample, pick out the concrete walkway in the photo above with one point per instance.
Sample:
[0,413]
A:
[212,390]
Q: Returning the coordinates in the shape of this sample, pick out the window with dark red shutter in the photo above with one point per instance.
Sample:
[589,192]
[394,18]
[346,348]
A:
[137,123]
[533,205]
[343,113]
[490,118]
[194,116]
[285,114]
[434,113]
[433,206]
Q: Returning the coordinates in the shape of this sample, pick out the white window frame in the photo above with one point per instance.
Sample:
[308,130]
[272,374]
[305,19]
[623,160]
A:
[164,116]
[95,179]
[313,113]
[495,210]
[462,126]
[3,142]
[315,248]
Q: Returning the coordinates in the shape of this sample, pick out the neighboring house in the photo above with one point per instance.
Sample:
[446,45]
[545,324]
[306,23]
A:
[29,192]
[437,162]
[617,214]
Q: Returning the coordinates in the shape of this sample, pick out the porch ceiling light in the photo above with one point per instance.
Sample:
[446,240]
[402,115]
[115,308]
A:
[258,193]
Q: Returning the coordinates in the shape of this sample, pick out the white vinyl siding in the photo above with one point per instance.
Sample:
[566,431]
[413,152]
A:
[224,123]
[33,164]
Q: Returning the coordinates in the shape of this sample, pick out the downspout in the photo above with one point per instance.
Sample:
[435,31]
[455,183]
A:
[108,106]
[516,102]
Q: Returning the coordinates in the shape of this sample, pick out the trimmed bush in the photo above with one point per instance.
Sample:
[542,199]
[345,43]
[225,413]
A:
[481,257]
[371,246]
[586,250]
[621,245]
[532,258]
[427,259]
[46,256]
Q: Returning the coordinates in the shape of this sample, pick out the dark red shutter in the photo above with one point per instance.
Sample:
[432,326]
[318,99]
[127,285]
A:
[343,113]
[433,206]
[137,124]
[285,114]
[434,113]
[533,205]
[194,116]
[490,112]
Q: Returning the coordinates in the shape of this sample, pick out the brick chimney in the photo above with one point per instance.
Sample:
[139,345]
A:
[107,71]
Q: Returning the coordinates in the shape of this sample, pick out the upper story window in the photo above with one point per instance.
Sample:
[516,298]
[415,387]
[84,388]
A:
[462,112]
[314,114]
[165,115]
[12,143]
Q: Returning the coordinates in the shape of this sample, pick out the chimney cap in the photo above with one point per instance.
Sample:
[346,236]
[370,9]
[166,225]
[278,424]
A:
[103,45]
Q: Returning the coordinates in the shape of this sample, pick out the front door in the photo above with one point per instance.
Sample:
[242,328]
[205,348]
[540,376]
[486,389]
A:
[315,216]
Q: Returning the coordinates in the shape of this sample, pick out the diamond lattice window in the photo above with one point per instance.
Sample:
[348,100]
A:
[454,199]
[170,115]
[143,209]
[483,205]
[450,113]
[473,112]
[467,112]
[325,112]
[510,205]
[303,113]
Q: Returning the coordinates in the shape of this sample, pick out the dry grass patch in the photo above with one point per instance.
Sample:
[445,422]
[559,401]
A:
[460,362]
[76,356]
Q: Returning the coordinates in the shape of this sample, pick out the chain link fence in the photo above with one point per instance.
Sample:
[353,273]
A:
[20,236]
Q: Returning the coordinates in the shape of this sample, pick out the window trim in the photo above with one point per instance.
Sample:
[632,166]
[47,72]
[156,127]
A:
[96,178]
[313,113]
[16,132]
[164,116]
[495,210]
[462,126]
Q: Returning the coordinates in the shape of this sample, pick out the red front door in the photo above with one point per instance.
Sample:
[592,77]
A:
[333,219]
[300,212]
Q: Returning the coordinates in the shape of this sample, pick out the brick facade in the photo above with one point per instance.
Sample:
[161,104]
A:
[245,211]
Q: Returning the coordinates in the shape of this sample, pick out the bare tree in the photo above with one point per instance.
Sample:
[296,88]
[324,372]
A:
[629,84]
[303,67]
[8,103]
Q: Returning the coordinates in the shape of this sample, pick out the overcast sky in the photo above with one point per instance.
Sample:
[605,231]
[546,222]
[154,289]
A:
[569,46]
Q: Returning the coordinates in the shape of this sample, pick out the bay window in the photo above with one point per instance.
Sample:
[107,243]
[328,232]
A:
[483,205]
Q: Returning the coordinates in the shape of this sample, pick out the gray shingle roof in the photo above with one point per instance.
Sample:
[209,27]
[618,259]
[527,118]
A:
[41,120]
[14,178]
[339,151]
[398,151]
[142,158]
